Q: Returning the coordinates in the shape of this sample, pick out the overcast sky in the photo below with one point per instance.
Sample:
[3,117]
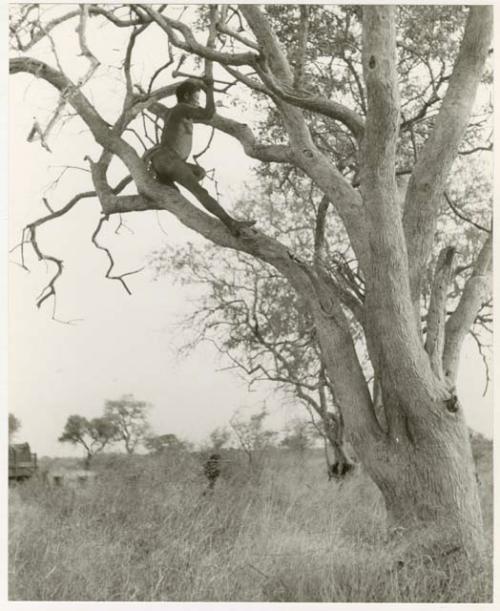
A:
[118,343]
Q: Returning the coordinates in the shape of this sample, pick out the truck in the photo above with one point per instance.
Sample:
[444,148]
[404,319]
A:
[22,462]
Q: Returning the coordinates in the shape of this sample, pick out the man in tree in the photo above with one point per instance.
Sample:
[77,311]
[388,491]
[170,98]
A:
[169,159]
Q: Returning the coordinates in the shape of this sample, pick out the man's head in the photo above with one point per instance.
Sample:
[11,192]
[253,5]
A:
[188,92]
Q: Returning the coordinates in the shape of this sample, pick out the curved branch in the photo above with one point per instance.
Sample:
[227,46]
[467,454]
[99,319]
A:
[318,104]
[31,228]
[189,43]
[462,216]
[482,354]
[243,133]
[119,277]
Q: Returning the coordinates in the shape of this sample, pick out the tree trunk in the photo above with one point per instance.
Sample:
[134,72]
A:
[428,482]
[421,460]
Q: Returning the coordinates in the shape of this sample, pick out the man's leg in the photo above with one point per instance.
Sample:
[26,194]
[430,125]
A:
[181,172]
[159,168]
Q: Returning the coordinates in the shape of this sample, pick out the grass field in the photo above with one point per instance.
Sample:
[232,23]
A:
[144,531]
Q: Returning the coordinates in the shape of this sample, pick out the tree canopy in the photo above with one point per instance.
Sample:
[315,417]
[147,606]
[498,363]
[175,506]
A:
[130,419]
[93,435]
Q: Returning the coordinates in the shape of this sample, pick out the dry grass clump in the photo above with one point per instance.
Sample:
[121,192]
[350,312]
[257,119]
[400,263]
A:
[145,531]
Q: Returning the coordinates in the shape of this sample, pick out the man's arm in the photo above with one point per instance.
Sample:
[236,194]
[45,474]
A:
[159,109]
[197,113]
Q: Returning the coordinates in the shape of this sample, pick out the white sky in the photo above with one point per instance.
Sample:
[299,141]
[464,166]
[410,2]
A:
[121,344]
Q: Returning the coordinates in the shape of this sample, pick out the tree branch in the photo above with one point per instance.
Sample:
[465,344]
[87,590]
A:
[243,133]
[119,277]
[462,216]
[318,104]
[436,316]
[301,49]
[476,291]
[427,182]
[189,43]
[390,315]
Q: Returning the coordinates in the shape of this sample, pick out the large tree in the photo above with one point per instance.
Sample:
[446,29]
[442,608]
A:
[350,139]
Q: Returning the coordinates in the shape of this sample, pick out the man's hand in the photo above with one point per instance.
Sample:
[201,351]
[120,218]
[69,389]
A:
[208,81]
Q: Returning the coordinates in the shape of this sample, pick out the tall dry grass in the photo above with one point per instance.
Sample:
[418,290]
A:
[144,531]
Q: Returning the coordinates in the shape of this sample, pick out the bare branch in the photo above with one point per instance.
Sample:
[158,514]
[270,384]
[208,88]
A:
[476,149]
[484,358]
[462,216]
[84,48]
[119,277]
[40,33]
[189,43]
[31,229]
[243,133]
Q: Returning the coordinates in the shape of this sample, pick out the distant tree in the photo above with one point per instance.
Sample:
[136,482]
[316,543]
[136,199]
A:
[130,418]
[298,437]
[159,443]
[219,437]
[14,426]
[251,435]
[93,435]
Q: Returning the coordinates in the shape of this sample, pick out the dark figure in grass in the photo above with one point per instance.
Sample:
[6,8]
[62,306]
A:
[212,469]
[339,470]
[168,160]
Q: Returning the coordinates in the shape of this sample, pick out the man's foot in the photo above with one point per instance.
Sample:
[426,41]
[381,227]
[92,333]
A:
[236,226]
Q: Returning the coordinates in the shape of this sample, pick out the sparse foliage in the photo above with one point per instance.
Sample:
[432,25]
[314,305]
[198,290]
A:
[252,437]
